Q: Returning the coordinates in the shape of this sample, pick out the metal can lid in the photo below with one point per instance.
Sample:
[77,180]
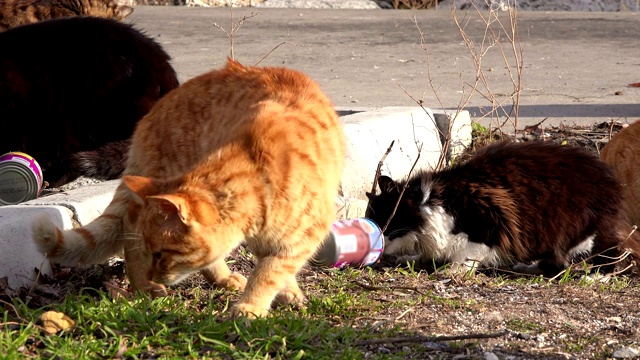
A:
[327,254]
[20,178]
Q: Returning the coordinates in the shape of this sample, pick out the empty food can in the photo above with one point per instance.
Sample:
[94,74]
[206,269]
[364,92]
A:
[20,178]
[356,242]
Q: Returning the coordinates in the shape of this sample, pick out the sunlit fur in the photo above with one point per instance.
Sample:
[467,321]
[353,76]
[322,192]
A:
[21,12]
[511,203]
[239,154]
[622,153]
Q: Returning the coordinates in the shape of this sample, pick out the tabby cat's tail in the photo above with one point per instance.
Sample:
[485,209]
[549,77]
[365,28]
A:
[105,163]
[91,244]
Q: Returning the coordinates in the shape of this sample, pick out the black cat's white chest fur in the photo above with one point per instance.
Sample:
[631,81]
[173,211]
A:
[512,203]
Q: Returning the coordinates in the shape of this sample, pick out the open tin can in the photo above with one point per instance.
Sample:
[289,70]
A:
[355,242]
[20,178]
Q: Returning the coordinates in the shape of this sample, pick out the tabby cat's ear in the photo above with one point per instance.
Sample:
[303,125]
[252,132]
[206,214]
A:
[122,11]
[139,185]
[386,184]
[172,207]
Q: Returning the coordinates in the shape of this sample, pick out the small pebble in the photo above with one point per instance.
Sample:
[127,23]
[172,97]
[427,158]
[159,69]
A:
[488,355]
[626,353]
[524,336]
[435,345]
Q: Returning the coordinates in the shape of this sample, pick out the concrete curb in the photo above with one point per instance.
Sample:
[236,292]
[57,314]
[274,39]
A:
[368,131]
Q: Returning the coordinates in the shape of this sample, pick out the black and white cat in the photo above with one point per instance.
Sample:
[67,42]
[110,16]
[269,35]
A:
[537,205]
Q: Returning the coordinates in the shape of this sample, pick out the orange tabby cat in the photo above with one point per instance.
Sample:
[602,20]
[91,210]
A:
[20,12]
[242,154]
[622,154]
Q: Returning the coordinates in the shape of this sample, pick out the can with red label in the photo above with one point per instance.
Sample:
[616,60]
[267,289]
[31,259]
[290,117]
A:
[355,242]
[20,178]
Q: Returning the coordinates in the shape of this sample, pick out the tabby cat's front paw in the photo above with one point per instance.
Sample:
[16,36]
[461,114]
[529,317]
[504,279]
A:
[248,310]
[235,281]
[155,290]
[289,296]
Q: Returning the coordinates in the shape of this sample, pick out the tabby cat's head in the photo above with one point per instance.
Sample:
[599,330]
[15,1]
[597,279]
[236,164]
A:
[177,227]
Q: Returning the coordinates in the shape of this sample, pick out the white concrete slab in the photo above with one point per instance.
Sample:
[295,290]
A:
[86,203]
[369,134]
[19,254]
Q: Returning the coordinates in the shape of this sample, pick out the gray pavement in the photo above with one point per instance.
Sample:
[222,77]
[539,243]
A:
[577,66]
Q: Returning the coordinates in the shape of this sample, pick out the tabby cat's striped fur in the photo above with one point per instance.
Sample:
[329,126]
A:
[239,154]
[20,12]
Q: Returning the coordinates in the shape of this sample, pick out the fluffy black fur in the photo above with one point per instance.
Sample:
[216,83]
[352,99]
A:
[72,91]
[526,202]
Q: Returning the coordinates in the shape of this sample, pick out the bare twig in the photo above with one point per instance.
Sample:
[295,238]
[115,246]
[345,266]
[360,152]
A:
[611,129]
[379,168]
[406,184]
[274,49]
[10,323]
[15,311]
[403,314]
[493,38]
[419,339]
[234,28]
[398,287]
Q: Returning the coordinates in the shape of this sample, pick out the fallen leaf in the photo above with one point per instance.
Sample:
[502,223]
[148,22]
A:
[53,322]
[635,84]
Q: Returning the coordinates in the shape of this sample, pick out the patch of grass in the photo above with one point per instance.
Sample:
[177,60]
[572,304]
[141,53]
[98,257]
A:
[192,326]
[521,325]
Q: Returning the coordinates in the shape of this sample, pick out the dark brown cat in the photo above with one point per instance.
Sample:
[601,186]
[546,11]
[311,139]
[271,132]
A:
[20,12]
[73,96]
[511,203]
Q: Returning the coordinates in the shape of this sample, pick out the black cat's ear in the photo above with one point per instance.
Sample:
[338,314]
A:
[386,184]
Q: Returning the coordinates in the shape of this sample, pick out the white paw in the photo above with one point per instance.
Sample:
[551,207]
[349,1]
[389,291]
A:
[465,268]
[532,269]
[44,234]
[596,277]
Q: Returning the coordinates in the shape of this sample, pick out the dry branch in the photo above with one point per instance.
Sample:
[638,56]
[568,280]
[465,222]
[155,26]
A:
[398,287]
[234,28]
[419,339]
[379,168]
[406,184]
